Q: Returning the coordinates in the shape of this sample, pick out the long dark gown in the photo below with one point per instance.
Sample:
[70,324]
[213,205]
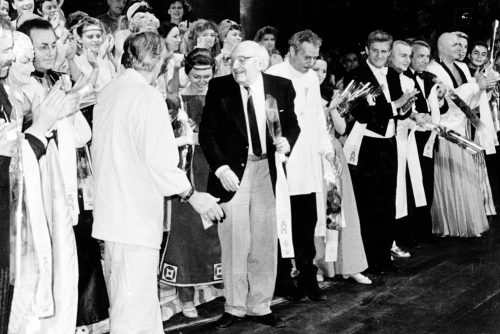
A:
[193,254]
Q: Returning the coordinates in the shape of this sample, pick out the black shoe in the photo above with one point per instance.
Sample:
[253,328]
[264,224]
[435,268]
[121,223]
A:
[295,294]
[373,270]
[269,320]
[315,294]
[288,290]
[390,268]
[226,320]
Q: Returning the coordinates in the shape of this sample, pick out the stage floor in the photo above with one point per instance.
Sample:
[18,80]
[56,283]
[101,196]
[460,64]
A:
[448,286]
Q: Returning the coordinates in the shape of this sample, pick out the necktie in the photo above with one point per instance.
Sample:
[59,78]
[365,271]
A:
[252,122]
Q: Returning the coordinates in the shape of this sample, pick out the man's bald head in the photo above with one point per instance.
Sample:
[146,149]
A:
[448,46]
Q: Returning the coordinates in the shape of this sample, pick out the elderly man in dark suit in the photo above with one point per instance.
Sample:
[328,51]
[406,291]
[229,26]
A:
[241,154]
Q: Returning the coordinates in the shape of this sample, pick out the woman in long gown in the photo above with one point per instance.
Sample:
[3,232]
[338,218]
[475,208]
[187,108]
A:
[192,249]
[462,195]
[351,258]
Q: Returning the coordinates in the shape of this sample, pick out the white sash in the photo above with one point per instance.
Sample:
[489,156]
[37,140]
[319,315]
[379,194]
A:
[486,135]
[353,143]
[283,209]
[43,303]
[408,155]
[436,118]
[67,160]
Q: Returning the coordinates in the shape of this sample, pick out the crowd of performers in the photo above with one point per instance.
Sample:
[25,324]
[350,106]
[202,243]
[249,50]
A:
[140,157]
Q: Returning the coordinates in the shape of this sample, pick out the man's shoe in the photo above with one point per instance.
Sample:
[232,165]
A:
[295,294]
[391,268]
[315,294]
[398,252]
[226,320]
[373,270]
[269,320]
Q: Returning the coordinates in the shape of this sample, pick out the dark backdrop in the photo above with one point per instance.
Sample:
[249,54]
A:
[342,24]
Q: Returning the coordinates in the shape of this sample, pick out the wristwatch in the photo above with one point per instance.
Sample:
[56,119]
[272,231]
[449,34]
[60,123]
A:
[189,194]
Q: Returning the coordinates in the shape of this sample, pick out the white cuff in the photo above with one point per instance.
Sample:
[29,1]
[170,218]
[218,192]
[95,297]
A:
[394,110]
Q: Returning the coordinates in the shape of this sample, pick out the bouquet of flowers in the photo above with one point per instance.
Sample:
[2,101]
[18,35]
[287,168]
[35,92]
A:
[273,118]
[452,136]
[333,208]
[354,94]
[183,127]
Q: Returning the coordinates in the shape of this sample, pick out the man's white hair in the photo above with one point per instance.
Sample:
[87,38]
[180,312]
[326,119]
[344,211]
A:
[260,53]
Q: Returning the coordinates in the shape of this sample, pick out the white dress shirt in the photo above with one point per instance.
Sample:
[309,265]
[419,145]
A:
[304,169]
[135,161]
[381,76]
[421,84]
[259,104]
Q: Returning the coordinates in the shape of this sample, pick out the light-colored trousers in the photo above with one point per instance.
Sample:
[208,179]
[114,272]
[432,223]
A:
[249,244]
[130,272]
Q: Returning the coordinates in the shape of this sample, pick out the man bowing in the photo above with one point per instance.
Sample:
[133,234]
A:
[240,152]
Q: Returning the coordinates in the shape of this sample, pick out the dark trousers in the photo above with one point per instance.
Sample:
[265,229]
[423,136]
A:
[93,303]
[6,289]
[494,173]
[374,182]
[304,219]
[417,226]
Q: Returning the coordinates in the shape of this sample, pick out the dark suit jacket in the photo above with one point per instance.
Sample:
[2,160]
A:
[428,79]
[223,134]
[376,117]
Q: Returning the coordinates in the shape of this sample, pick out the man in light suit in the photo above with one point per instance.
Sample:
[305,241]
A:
[240,152]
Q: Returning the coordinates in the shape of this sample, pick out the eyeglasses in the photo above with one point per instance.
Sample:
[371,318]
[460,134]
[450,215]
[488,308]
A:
[241,59]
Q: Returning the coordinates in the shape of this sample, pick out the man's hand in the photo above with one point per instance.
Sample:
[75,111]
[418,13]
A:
[403,100]
[206,205]
[229,180]
[422,119]
[50,110]
[441,91]
[282,145]
[486,83]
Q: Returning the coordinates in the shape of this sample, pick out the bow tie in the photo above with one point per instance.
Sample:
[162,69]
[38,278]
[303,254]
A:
[418,74]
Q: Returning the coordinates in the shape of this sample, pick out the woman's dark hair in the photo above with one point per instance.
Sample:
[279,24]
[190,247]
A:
[326,88]
[73,19]
[198,57]
[267,30]
[185,5]
[165,28]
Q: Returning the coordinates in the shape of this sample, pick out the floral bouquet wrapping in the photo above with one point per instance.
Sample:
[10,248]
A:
[451,136]
[352,95]
[183,127]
